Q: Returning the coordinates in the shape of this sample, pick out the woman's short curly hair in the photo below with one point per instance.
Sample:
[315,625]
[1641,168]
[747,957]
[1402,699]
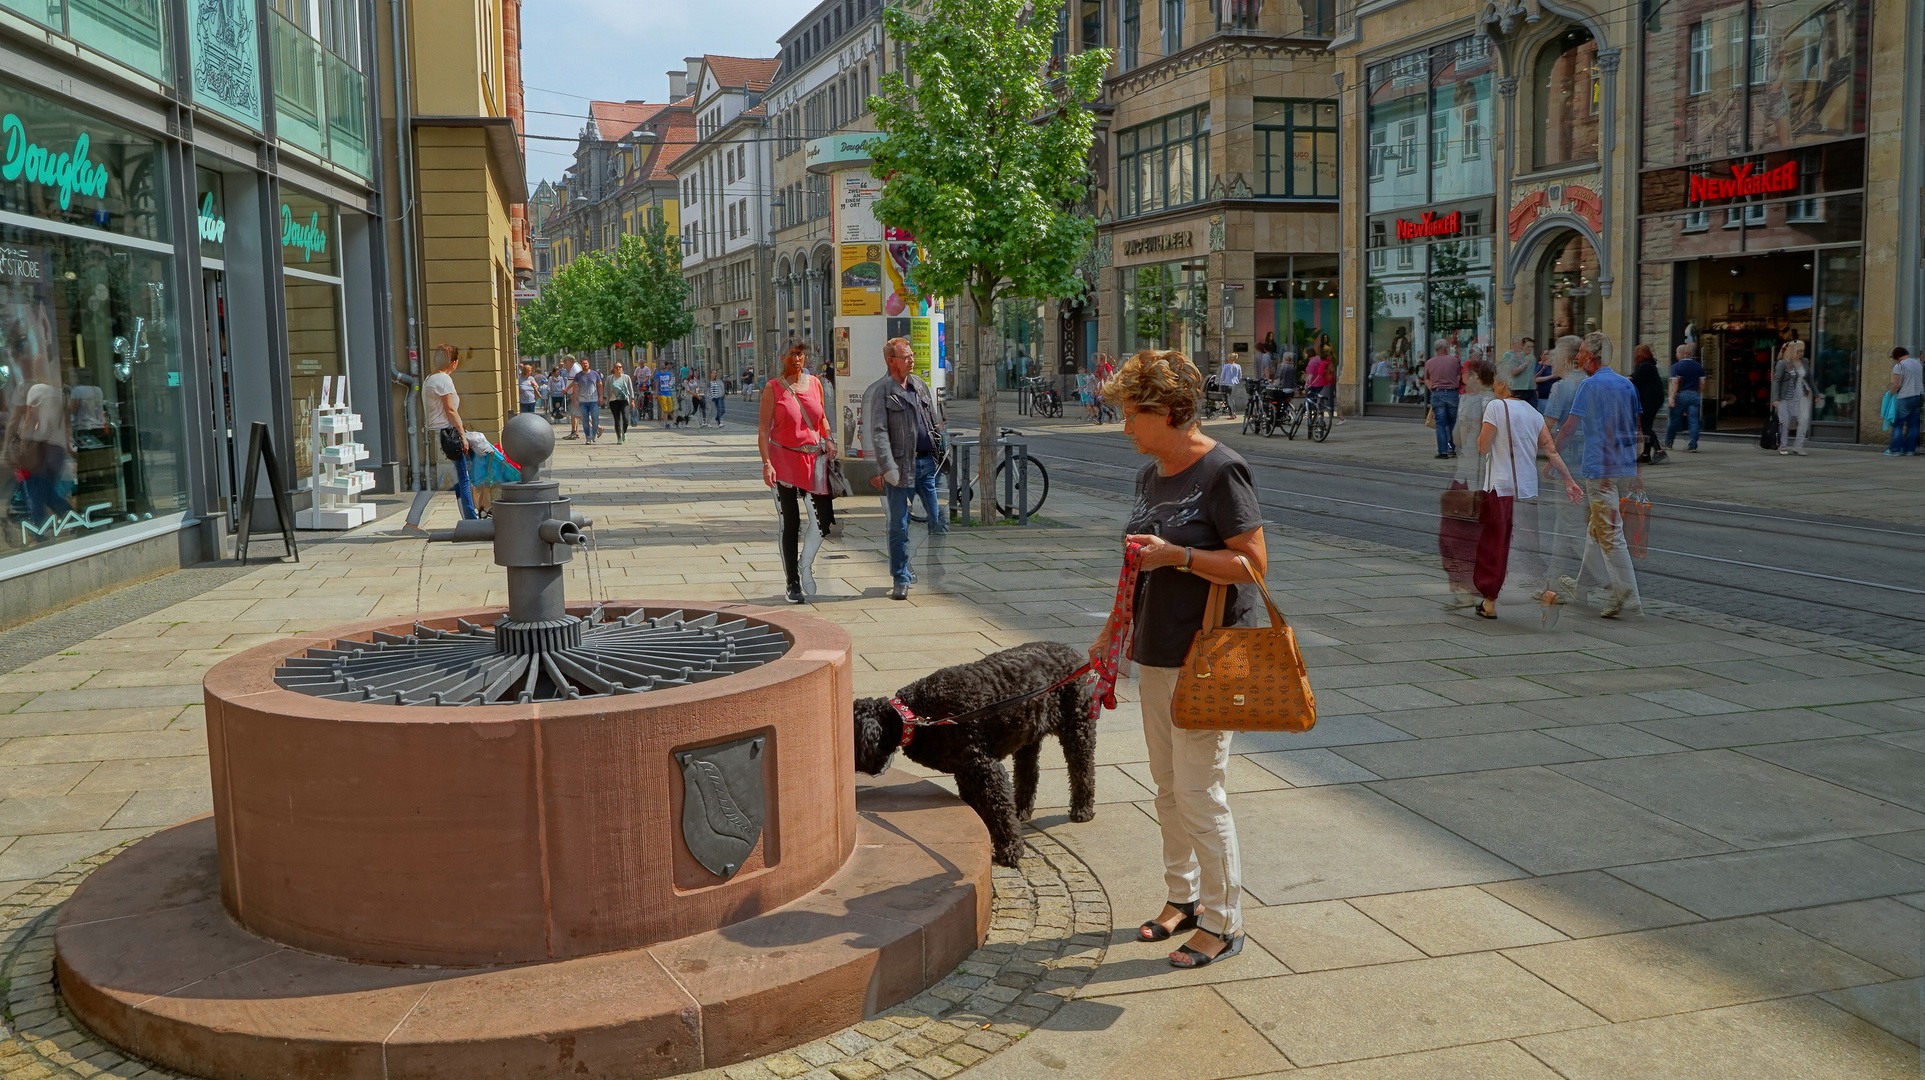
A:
[1163,380]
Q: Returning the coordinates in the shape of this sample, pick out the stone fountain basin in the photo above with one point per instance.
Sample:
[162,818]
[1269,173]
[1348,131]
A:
[439,892]
[473,835]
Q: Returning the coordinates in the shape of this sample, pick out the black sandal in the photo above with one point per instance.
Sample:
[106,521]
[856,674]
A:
[1156,931]
[1186,957]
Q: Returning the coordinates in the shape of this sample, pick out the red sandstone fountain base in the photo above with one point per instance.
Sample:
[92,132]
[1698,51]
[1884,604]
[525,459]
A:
[148,958]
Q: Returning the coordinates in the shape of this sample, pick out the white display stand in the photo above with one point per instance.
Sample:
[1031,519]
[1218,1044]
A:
[336,483]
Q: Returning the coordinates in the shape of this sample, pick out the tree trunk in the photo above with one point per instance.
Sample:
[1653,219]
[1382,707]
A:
[990,442]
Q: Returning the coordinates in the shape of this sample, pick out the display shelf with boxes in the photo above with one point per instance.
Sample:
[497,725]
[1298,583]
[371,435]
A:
[335,483]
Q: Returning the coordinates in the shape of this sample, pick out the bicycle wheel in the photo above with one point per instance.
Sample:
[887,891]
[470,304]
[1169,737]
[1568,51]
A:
[1292,420]
[1320,424]
[1038,487]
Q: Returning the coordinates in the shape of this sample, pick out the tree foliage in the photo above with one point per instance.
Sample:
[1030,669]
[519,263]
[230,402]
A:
[632,296]
[985,158]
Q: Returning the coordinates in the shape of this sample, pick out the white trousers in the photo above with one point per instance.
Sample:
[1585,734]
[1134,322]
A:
[1200,860]
[1605,539]
[1796,409]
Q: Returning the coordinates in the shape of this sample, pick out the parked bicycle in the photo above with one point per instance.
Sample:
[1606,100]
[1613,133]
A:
[1266,409]
[1039,397]
[1310,415]
[1034,476]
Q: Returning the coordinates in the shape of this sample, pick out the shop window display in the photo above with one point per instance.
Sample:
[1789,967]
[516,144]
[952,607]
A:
[1166,306]
[1422,295]
[312,284]
[89,364]
[1296,303]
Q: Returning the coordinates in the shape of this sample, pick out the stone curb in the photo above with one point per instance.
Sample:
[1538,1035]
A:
[1049,930]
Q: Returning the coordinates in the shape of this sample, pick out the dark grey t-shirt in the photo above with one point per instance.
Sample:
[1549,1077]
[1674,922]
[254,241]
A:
[1199,507]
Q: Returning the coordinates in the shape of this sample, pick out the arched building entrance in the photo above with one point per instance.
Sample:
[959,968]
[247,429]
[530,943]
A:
[1568,300]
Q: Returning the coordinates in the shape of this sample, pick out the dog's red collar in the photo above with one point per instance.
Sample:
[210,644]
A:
[910,721]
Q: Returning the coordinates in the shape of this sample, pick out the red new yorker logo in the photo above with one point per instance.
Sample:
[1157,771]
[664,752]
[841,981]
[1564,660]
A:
[1745,180]
[1432,225]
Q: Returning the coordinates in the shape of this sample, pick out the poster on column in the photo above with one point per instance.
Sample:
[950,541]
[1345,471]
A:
[921,343]
[861,277]
[856,195]
[900,271]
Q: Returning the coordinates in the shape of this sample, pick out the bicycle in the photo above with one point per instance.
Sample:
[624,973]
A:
[1311,413]
[1035,476]
[1040,398]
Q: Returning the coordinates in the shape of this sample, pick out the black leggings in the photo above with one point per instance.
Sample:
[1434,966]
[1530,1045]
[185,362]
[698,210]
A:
[789,501]
[1650,448]
[619,410]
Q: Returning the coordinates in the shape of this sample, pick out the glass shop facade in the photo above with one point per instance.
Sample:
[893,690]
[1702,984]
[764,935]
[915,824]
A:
[159,294]
[1431,178]
[1752,201]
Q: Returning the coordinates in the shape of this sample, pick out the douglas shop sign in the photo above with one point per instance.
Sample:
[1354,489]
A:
[69,172]
[1745,180]
[1431,225]
[309,237]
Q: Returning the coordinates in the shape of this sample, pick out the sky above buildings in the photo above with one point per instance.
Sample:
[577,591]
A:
[620,50]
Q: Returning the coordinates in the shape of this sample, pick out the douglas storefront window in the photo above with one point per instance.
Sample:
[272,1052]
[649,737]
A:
[89,360]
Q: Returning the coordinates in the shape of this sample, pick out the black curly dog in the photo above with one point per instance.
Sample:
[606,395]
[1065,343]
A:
[973,750]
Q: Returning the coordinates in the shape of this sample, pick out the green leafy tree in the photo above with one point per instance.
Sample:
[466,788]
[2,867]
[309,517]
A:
[535,326]
[985,158]
[645,290]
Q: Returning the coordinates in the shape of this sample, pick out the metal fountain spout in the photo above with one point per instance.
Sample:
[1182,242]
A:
[535,532]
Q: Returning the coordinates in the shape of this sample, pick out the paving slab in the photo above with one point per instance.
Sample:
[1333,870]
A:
[1778,879]
[1741,800]
[1311,768]
[1889,771]
[1588,903]
[1483,1061]
[1460,920]
[36,815]
[1463,753]
[1596,709]
[1883,715]
[1546,822]
[1689,702]
[1750,729]
[1798,1039]
[1895,1006]
[1909,844]
[1188,1033]
[1463,720]
[1695,966]
[1812,692]
[1329,731]
[1882,931]
[1613,740]
[1325,934]
[1326,843]
[1331,1016]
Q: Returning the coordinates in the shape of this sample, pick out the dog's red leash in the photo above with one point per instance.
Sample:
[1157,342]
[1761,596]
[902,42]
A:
[1107,670]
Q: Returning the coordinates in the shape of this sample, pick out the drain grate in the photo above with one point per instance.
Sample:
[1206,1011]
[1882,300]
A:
[629,653]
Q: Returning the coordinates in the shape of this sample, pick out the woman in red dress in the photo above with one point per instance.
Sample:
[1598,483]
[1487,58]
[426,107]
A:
[794,434]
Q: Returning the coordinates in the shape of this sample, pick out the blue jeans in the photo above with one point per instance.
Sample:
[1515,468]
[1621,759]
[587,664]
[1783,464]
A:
[591,420]
[1905,427]
[464,488]
[1690,404]
[923,485]
[1443,413]
[716,402]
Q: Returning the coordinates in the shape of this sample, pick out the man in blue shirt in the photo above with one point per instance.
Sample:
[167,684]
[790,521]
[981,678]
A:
[1606,408]
[1686,400]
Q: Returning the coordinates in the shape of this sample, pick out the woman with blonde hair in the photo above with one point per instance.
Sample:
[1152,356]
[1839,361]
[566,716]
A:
[1791,395]
[1196,522]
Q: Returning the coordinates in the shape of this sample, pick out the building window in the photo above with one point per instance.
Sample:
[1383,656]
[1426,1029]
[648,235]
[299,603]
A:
[1567,94]
[1700,64]
[1166,306]
[1172,27]
[1132,34]
[1092,24]
[1164,163]
[1296,149]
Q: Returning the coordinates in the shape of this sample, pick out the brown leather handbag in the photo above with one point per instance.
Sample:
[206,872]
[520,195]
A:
[1239,678]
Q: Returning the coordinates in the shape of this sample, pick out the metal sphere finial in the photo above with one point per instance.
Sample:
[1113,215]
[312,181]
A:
[529,441]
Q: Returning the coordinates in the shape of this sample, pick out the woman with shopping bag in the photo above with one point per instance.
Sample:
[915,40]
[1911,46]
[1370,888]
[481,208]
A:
[1193,573]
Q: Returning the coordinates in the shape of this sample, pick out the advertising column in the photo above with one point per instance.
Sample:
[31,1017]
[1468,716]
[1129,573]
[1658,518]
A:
[874,289]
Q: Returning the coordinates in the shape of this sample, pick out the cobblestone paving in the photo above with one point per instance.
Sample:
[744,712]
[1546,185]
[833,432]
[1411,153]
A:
[1048,933]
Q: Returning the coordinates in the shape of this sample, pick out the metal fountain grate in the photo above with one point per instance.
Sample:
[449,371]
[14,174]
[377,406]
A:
[626,654]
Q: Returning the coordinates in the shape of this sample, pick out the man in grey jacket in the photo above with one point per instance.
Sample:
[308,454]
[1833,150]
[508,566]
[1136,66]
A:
[902,428]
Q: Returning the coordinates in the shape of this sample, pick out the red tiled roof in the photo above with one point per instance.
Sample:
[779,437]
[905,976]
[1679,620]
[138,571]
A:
[678,138]
[754,73]
[614,119]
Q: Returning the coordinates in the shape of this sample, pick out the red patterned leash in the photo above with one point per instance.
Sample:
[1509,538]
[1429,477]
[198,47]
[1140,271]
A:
[1123,620]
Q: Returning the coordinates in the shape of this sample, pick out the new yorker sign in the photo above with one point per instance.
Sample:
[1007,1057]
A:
[1745,180]
[1431,225]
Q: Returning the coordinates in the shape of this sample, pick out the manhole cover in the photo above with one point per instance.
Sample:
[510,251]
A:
[628,653]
